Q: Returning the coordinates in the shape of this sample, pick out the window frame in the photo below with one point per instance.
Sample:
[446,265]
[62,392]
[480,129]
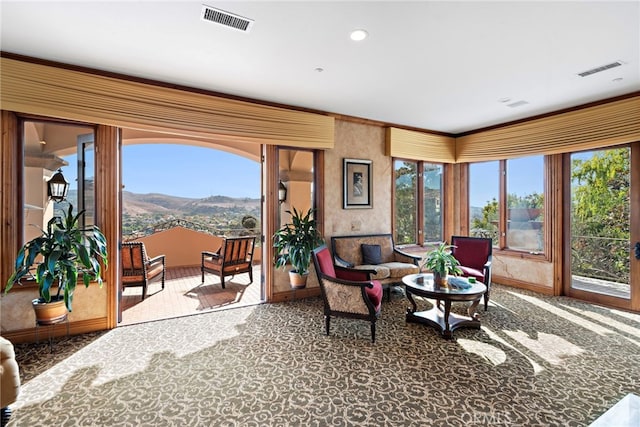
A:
[419,223]
[502,247]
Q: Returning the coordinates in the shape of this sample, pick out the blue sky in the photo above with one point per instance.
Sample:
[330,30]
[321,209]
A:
[525,176]
[186,171]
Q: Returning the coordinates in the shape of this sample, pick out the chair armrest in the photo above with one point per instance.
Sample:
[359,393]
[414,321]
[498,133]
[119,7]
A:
[405,257]
[214,255]
[155,259]
[341,262]
[358,283]
[354,274]
[487,271]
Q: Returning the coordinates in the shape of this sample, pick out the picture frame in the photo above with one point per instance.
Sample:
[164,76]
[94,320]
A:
[356,184]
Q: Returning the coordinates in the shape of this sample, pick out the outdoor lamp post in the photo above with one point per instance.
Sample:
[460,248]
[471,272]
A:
[58,187]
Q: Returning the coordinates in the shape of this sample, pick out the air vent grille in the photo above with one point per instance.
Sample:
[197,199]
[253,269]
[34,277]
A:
[599,69]
[227,19]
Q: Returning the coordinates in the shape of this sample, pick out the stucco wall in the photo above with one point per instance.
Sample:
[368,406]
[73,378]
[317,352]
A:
[182,247]
[357,141]
[16,312]
[522,271]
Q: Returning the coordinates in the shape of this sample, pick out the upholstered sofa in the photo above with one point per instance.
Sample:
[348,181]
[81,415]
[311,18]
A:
[376,253]
[9,378]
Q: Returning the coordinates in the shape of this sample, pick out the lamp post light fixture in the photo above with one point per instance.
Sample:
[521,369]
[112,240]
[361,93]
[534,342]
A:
[282,192]
[58,187]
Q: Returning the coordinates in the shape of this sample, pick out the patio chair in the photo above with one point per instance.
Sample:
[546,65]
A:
[347,292]
[474,255]
[138,269]
[235,256]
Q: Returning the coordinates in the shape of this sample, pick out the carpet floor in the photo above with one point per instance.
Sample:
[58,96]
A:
[537,361]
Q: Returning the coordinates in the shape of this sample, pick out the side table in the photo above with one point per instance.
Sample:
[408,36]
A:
[446,322]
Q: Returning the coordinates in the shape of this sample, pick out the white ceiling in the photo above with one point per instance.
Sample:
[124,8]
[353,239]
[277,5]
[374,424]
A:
[443,66]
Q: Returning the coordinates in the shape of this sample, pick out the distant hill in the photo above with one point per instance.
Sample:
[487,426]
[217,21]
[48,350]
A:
[154,203]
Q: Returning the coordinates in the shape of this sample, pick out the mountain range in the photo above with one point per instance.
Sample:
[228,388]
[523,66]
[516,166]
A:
[154,203]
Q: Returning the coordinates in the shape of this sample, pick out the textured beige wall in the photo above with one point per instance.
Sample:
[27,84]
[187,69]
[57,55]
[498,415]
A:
[366,142]
[522,270]
[16,312]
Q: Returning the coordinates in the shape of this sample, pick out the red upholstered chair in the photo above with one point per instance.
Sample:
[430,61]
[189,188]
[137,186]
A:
[474,255]
[347,292]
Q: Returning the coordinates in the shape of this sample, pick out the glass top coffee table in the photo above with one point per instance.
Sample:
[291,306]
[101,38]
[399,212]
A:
[459,290]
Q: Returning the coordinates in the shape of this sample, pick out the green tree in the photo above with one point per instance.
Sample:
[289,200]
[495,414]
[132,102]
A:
[487,225]
[600,215]
[405,203]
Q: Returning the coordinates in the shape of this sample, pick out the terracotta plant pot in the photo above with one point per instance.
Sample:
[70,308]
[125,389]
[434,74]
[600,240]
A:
[49,313]
[298,281]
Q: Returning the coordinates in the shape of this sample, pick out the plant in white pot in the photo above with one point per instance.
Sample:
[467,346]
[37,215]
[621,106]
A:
[441,262]
[56,259]
[294,243]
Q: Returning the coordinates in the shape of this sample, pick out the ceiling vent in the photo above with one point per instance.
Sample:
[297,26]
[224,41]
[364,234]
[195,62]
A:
[227,19]
[599,69]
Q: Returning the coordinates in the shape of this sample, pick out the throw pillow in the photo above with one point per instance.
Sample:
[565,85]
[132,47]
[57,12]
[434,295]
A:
[371,254]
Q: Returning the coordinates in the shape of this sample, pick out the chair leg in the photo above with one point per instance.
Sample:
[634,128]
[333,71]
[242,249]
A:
[144,291]
[202,269]
[250,276]
[486,299]
[327,321]
[163,271]
[373,332]
[222,281]
[5,415]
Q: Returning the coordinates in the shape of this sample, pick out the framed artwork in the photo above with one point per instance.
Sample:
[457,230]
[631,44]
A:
[357,185]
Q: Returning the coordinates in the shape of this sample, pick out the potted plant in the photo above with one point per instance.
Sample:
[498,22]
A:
[294,243]
[441,262]
[58,256]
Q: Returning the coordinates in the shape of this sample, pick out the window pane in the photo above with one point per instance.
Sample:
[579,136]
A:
[296,174]
[484,187]
[49,147]
[525,203]
[405,201]
[432,178]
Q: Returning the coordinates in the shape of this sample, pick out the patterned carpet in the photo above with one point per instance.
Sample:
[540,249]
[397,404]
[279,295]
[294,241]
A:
[538,361]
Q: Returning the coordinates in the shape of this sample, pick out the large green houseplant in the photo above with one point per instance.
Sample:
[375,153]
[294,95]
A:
[441,262]
[294,243]
[58,256]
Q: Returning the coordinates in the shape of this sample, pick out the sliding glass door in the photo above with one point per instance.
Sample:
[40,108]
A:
[604,226]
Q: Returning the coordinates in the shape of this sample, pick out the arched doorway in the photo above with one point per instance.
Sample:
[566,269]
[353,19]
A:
[181,196]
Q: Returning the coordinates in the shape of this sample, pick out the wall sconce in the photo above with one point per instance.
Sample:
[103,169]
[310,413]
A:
[58,187]
[282,192]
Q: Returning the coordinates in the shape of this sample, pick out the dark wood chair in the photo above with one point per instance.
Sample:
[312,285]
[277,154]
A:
[235,256]
[347,292]
[137,268]
[475,256]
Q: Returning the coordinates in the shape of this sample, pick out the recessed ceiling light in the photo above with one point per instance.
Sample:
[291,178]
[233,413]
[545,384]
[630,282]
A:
[505,99]
[319,69]
[358,35]
[617,80]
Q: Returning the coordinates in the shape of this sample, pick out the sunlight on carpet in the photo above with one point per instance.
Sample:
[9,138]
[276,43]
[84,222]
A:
[181,340]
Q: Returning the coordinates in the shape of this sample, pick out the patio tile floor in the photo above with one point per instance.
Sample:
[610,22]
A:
[185,295]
